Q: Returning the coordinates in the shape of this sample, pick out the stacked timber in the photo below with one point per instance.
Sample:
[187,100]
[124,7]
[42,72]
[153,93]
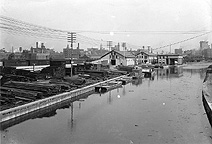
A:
[22,94]
[4,100]
[125,68]
[7,70]
[65,86]
[76,80]
[46,89]
[26,73]
[11,77]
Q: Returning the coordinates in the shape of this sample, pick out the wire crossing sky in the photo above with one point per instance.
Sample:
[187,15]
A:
[155,23]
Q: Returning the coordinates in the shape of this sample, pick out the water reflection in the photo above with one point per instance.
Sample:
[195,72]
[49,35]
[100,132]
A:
[171,72]
[109,98]
[43,113]
[137,82]
[71,123]
[201,72]
[123,90]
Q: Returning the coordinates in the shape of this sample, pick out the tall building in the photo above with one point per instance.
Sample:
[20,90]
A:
[207,53]
[204,45]
[178,51]
[74,53]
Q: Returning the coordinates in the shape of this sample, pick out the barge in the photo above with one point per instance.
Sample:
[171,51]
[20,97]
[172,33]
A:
[105,87]
[125,80]
[207,94]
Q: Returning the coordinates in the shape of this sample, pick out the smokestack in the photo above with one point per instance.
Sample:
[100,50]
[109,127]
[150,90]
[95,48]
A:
[42,45]
[118,47]
[36,44]
[148,48]
[78,46]
[20,49]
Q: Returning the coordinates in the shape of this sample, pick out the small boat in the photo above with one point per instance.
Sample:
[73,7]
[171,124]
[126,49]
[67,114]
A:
[125,80]
[148,71]
[102,88]
[137,73]
[158,66]
[207,94]
[125,68]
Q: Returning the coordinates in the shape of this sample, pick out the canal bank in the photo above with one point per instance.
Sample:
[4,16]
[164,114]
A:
[15,112]
[166,109]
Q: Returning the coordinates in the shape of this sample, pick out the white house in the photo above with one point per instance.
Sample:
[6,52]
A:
[170,59]
[115,58]
[145,57]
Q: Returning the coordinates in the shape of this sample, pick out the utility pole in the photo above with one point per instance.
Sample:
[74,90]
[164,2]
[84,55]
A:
[101,49]
[170,47]
[71,39]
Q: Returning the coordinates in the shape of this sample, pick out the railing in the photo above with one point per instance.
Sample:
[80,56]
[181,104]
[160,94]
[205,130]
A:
[11,113]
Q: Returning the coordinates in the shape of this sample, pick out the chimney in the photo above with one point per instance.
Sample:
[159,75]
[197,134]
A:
[78,46]
[36,44]
[148,48]
[20,49]
[42,45]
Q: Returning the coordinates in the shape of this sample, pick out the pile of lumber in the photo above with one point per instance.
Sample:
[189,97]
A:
[21,94]
[75,80]
[11,77]
[45,88]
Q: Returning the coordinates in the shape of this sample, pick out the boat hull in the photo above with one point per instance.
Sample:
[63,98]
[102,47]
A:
[105,88]
[207,108]
[149,74]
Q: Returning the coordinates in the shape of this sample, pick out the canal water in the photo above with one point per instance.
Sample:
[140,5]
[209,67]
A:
[166,108]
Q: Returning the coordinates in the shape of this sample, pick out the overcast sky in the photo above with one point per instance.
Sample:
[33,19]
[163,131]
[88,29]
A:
[113,16]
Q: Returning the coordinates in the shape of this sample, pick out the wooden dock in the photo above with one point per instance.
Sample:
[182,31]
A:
[15,112]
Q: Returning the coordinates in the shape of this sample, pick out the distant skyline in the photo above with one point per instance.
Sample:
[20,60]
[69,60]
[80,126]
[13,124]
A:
[138,22]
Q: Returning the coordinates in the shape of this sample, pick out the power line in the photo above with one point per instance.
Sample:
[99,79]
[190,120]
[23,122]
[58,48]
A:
[140,32]
[17,27]
[182,40]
